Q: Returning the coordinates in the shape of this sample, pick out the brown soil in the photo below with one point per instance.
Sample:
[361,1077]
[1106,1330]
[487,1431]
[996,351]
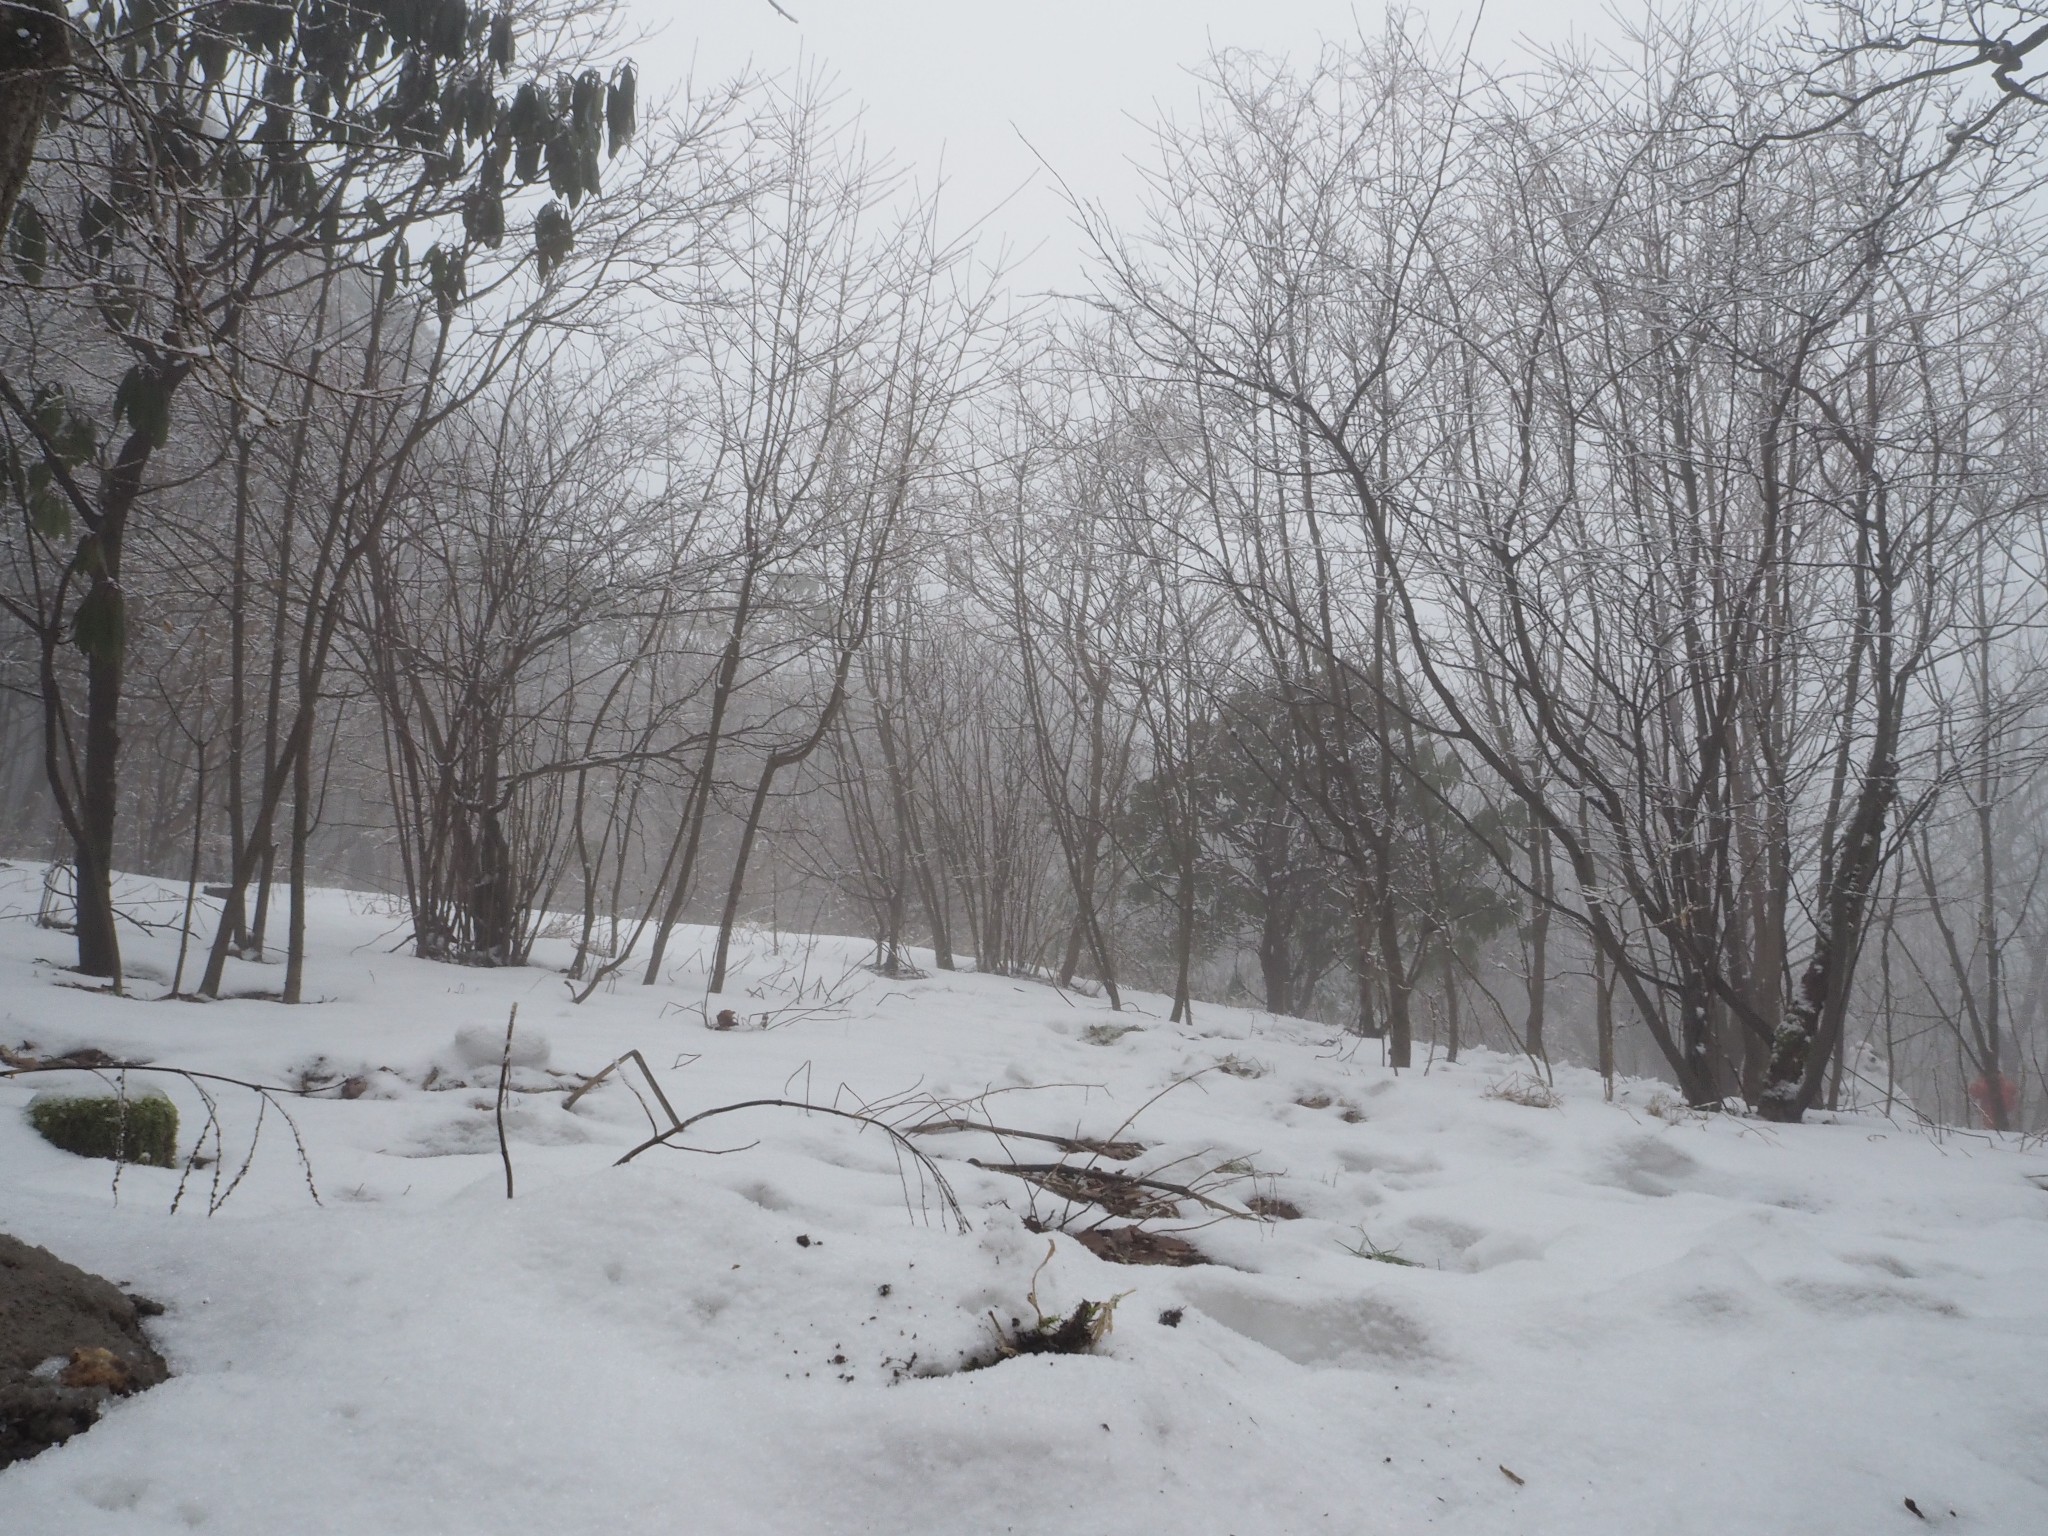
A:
[1117,1193]
[1136,1245]
[1273,1207]
[53,1311]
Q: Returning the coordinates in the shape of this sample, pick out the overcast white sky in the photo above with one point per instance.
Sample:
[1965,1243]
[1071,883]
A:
[955,83]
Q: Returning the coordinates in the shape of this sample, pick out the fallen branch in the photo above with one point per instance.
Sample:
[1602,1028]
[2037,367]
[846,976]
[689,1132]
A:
[1109,1188]
[1115,1151]
[645,1071]
[267,1095]
[902,1142]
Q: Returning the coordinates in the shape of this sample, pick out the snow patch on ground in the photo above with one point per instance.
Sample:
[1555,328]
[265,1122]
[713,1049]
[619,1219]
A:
[1700,1325]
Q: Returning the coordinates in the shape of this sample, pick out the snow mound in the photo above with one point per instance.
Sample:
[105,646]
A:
[483,1045]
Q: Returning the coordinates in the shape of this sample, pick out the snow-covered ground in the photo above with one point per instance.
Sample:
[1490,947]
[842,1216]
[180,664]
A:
[1655,1322]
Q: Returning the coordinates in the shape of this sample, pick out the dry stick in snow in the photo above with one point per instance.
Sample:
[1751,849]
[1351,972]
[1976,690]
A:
[645,1071]
[1116,1151]
[1092,1183]
[267,1095]
[901,1141]
[504,1077]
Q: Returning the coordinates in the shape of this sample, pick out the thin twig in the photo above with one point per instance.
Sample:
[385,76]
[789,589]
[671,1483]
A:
[504,1077]
[902,1142]
[1116,1151]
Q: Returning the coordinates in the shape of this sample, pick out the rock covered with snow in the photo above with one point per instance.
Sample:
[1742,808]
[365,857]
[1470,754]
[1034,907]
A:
[483,1045]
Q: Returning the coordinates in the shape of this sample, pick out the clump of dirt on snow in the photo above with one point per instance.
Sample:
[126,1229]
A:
[68,1341]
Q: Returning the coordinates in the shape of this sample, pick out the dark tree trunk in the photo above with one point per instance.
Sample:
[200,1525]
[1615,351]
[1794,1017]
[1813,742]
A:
[295,920]
[1603,1018]
[35,49]
[99,947]
[792,756]
[1275,962]
[1184,929]
[1540,872]
[104,639]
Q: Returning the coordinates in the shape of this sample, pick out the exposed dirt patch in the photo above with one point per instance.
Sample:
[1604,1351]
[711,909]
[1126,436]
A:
[1118,1193]
[87,1058]
[68,1341]
[1273,1208]
[1138,1245]
[1107,1034]
[1077,1333]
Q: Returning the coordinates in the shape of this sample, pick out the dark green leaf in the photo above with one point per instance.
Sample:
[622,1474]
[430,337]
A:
[619,108]
[447,279]
[553,237]
[100,626]
[98,225]
[256,24]
[211,50]
[236,178]
[450,28]
[89,561]
[532,125]
[46,409]
[145,400]
[31,242]
[483,216]
[118,301]
[49,514]
[586,104]
[501,49]
[77,440]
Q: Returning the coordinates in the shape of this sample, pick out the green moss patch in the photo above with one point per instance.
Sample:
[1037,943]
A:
[137,1128]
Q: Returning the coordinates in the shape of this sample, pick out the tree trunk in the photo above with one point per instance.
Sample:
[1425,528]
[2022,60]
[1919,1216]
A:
[1184,929]
[1603,1018]
[1540,874]
[35,49]
[295,933]
[729,917]
[792,756]
[1275,961]
[191,874]
[99,946]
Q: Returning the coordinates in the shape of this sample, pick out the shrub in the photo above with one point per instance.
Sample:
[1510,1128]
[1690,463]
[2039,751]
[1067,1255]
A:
[1530,1092]
[1668,1106]
[1366,1248]
[1079,1332]
[139,1128]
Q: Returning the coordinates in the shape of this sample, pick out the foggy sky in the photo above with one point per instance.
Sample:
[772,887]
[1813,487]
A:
[962,85]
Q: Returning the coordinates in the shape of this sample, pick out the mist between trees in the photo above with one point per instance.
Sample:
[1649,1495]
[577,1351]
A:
[1551,561]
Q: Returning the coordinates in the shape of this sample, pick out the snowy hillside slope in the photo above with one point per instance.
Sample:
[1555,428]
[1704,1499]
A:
[1655,1323]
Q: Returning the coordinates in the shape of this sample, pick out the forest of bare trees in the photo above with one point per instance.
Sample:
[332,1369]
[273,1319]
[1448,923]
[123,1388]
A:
[1550,560]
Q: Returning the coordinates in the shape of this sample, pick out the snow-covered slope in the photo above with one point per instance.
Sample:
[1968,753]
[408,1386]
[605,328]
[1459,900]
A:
[1654,1322]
